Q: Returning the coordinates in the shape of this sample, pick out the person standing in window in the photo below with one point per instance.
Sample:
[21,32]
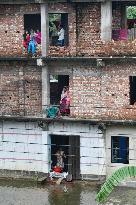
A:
[32,43]
[61,34]
[65,102]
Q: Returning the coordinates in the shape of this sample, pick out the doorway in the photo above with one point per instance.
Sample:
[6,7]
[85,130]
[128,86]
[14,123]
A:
[57,83]
[32,21]
[71,147]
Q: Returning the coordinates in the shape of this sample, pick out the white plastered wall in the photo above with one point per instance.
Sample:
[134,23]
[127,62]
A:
[92,145]
[23,147]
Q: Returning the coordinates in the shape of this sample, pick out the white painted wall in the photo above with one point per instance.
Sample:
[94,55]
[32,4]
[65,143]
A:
[126,131]
[90,137]
[16,139]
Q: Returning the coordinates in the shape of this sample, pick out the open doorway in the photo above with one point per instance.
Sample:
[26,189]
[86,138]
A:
[57,83]
[32,21]
[71,147]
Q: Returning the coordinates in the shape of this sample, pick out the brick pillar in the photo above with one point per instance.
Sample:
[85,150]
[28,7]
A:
[44,29]
[106,21]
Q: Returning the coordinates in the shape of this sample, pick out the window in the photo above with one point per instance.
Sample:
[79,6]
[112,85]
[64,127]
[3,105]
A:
[120,149]
[132,94]
[55,22]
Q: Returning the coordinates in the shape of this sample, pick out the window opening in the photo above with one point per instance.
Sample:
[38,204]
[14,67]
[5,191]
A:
[32,33]
[120,149]
[132,93]
[58,29]
[131,22]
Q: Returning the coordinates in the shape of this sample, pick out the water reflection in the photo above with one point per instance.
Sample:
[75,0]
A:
[29,193]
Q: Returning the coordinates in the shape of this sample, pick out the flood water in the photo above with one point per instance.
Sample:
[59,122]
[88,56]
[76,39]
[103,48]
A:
[25,193]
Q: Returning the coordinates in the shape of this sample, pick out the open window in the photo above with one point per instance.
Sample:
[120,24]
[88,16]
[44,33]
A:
[32,34]
[120,149]
[132,93]
[57,22]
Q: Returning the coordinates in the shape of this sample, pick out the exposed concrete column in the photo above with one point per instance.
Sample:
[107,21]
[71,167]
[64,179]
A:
[44,29]
[45,86]
[106,21]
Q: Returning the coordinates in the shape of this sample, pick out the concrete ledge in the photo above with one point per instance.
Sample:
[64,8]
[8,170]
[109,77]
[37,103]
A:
[101,122]
[128,183]
[21,174]
[44,1]
[95,178]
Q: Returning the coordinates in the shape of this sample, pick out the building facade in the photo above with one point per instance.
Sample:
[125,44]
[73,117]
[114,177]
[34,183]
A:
[97,63]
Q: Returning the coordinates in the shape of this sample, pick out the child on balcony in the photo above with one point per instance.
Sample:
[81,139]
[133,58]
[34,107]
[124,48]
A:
[32,43]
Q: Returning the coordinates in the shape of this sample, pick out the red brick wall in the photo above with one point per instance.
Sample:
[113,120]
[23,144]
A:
[20,89]
[84,31]
[88,29]
[102,94]
[12,28]
[96,93]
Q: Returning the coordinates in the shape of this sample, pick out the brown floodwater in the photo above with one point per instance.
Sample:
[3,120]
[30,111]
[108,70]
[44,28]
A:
[29,193]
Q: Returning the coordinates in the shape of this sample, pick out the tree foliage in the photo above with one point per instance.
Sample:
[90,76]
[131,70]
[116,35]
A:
[131,12]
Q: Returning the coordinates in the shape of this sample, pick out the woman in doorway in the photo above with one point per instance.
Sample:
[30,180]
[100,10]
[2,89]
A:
[65,102]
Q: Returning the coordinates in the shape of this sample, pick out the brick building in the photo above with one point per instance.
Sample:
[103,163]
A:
[97,62]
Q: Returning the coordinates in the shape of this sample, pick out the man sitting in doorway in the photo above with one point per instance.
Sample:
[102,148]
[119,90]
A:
[61,34]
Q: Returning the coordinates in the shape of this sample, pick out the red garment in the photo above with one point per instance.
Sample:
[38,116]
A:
[26,42]
[65,104]
[38,37]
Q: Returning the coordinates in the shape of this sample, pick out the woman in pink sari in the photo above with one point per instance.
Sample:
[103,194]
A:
[38,37]
[65,102]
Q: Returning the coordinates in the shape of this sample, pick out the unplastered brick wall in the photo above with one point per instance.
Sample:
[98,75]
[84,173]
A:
[20,89]
[12,28]
[88,29]
[84,28]
[102,93]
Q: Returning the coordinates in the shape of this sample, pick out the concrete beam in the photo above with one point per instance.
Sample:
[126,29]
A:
[44,1]
[45,87]
[44,29]
[106,21]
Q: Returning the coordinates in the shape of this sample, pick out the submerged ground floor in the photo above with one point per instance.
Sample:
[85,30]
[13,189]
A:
[22,192]
[93,149]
